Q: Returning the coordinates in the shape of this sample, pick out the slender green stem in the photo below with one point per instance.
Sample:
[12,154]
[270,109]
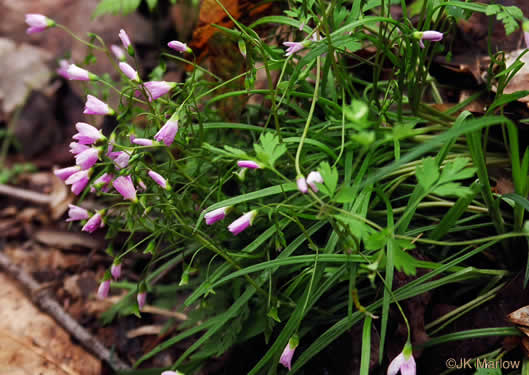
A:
[309,117]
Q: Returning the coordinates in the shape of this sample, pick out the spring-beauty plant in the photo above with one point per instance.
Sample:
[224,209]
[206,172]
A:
[284,200]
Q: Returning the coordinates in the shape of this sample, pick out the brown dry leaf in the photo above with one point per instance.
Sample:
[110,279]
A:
[41,260]
[22,69]
[525,330]
[521,80]
[525,345]
[66,240]
[60,197]
[212,13]
[503,186]
[33,343]
[520,316]
[30,214]
[10,227]
[80,286]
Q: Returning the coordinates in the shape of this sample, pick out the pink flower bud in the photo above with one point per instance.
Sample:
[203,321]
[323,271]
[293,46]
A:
[312,178]
[103,290]
[115,270]
[142,185]
[248,164]
[141,298]
[404,362]
[430,35]
[87,158]
[302,184]
[168,132]
[64,173]
[155,89]
[38,23]
[216,215]
[242,223]
[288,353]
[129,71]
[94,223]
[179,46]
[142,142]
[94,106]
[87,134]
[158,178]
[125,187]
[118,52]
[76,213]
[126,42]
[76,73]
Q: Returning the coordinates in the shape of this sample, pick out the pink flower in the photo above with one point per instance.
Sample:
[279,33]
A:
[104,288]
[158,178]
[38,23]
[77,148]
[288,353]
[125,187]
[141,298]
[122,159]
[171,373]
[312,178]
[248,164]
[76,213]
[167,133]
[87,134]
[293,47]
[94,223]
[87,158]
[302,184]
[76,73]
[102,182]
[155,89]
[242,223]
[403,362]
[63,68]
[216,215]
[129,71]
[64,173]
[179,46]
[94,106]
[79,180]
[118,52]
[115,270]
[142,141]
[431,35]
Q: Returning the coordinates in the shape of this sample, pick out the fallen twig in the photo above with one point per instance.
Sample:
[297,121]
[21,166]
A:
[24,194]
[43,299]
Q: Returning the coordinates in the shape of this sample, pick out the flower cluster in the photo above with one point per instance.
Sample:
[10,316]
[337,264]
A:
[89,145]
